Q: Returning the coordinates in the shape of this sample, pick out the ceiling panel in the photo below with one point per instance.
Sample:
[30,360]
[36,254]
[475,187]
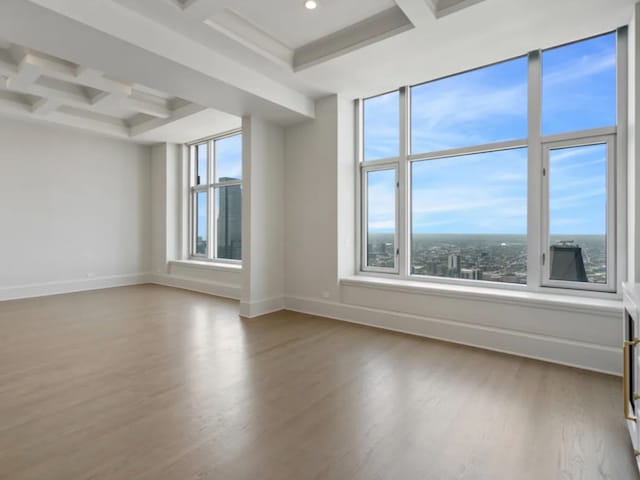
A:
[293,25]
[37,85]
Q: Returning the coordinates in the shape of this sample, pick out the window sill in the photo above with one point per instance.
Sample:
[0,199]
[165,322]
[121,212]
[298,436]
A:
[204,265]
[571,302]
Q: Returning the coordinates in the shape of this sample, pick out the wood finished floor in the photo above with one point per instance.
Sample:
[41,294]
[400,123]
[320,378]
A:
[154,383]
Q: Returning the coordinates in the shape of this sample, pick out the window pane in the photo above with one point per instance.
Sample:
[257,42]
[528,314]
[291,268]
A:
[578,213]
[381,218]
[469,217]
[229,159]
[474,108]
[201,223]
[382,126]
[202,163]
[579,86]
[229,222]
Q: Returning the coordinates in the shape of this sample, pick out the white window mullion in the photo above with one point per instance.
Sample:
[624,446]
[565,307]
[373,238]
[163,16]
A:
[621,156]
[535,220]
[211,250]
[403,220]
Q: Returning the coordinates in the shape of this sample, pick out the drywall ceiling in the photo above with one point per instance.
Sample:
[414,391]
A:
[273,58]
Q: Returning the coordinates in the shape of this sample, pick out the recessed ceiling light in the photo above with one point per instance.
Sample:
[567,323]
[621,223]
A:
[310,4]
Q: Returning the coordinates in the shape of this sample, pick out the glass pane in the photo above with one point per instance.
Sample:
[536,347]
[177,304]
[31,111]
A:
[229,159]
[381,218]
[579,86]
[202,163]
[229,222]
[474,108]
[578,213]
[382,126]
[469,217]
[202,232]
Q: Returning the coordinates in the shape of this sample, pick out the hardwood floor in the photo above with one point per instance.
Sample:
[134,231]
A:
[156,383]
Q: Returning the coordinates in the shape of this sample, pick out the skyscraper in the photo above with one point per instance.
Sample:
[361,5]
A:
[471,273]
[454,265]
[229,242]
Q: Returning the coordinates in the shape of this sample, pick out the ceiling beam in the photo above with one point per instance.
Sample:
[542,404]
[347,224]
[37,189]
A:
[419,12]
[150,108]
[245,33]
[373,29]
[177,114]
[203,9]
[100,34]
[59,84]
[447,7]
[24,110]
[95,79]
[44,106]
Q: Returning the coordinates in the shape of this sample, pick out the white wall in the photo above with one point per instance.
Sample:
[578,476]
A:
[74,210]
[311,205]
[319,226]
[263,250]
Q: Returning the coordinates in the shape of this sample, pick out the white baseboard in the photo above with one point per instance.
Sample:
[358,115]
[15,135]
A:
[261,307]
[582,355]
[70,286]
[212,288]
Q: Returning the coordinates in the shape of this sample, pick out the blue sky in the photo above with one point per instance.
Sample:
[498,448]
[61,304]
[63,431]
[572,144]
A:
[228,155]
[487,193]
[202,214]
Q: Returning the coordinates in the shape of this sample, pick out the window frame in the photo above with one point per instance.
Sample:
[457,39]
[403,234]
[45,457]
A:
[537,188]
[210,186]
[610,237]
[378,167]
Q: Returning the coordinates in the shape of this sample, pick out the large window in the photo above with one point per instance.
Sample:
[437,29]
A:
[504,174]
[216,198]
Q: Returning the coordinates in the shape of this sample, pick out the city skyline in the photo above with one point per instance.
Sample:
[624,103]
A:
[488,257]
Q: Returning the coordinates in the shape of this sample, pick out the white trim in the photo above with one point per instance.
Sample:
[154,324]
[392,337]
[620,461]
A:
[70,286]
[217,289]
[622,92]
[580,134]
[218,136]
[534,173]
[208,265]
[571,303]
[472,150]
[261,307]
[582,355]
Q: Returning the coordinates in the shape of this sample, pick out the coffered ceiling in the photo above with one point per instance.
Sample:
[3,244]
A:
[36,84]
[134,67]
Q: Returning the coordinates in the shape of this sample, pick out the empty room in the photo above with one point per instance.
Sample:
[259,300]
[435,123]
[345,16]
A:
[319,239]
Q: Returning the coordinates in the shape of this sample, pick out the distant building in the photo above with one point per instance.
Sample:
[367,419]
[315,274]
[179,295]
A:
[567,263]
[454,265]
[230,222]
[471,273]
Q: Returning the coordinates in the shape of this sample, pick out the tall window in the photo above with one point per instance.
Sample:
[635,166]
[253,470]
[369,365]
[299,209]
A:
[446,168]
[216,198]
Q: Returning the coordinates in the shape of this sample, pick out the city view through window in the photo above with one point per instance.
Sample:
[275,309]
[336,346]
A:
[219,204]
[468,213]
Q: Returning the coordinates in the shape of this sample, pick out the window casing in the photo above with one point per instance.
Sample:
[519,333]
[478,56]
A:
[536,269]
[215,198]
